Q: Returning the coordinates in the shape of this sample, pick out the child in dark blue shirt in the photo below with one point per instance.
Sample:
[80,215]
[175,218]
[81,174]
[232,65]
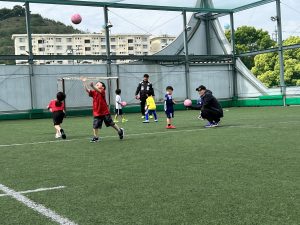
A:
[168,106]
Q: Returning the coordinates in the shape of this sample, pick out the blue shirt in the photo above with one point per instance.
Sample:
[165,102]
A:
[168,106]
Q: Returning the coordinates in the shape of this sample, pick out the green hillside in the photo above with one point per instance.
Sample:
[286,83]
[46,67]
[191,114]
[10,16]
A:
[12,21]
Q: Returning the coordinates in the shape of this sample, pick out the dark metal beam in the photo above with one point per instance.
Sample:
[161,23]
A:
[289,47]
[160,58]
[252,5]
[123,5]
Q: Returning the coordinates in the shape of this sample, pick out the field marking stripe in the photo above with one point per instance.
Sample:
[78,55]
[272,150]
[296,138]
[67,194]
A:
[128,135]
[36,207]
[36,190]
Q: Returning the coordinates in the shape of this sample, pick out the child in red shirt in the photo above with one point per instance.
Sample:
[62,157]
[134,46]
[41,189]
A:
[57,107]
[100,110]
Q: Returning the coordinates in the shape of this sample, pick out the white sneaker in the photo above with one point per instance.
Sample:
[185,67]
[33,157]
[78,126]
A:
[57,135]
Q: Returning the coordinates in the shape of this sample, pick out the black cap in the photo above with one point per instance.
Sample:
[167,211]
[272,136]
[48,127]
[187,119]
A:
[201,87]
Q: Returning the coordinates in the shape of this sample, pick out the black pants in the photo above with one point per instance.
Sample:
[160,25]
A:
[143,103]
[211,115]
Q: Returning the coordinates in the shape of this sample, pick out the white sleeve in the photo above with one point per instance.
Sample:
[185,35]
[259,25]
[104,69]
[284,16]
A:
[118,99]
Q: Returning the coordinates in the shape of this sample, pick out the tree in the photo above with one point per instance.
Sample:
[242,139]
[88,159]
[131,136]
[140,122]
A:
[267,67]
[18,11]
[250,39]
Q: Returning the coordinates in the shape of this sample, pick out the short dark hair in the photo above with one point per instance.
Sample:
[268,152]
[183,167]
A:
[118,91]
[169,88]
[60,96]
[146,75]
[200,88]
[103,85]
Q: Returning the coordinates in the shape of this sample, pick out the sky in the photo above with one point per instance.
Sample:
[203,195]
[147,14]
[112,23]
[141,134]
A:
[161,22]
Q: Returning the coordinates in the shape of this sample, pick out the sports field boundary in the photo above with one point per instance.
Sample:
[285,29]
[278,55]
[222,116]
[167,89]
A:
[36,206]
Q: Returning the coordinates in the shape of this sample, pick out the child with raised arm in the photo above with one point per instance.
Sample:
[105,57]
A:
[168,106]
[100,109]
[150,107]
[57,107]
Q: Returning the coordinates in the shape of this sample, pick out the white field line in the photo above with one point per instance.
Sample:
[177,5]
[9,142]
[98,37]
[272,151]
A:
[128,135]
[36,190]
[36,207]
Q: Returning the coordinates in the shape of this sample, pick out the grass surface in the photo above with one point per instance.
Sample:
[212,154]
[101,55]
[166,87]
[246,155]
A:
[245,172]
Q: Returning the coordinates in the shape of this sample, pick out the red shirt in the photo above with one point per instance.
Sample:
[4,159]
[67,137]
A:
[55,108]
[100,107]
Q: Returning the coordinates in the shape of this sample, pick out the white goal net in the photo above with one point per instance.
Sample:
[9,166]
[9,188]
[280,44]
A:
[72,86]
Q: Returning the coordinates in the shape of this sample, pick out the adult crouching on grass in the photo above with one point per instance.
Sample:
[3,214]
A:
[211,110]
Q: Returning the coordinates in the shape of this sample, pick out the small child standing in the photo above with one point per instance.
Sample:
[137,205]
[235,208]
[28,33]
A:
[150,107]
[100,109]
[168,106]
[57,107]
[118,109]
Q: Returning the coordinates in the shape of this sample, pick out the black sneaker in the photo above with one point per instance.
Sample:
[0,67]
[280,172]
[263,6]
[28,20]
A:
[63,135]
[94,139]
[121,133]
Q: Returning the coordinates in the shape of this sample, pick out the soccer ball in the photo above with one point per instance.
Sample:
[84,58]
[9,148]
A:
[76,19]
[187,102]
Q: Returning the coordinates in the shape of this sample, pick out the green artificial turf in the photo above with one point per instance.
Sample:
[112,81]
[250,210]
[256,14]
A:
[245,172]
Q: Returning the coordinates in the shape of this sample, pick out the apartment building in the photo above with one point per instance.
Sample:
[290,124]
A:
[80,44]
[159,42]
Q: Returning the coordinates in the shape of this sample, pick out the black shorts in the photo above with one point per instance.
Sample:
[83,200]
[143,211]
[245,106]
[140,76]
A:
[98,120]
[119,111]
[169,114]
[58,117]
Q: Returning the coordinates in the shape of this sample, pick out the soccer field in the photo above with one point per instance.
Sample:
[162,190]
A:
[245,172]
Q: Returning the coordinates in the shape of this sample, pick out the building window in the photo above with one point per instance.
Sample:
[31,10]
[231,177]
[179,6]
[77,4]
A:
[21,39]
[145,46]
[87,41]
[58,47]
[58,39]
[145,39]
[42,41]
[60,62]
[113,39]
[69,39]
[102,39]
[87,48]
[103,46]
[22,48]
[145,53]
[130,41]
[130,48]
[113,47]
[69,47]
[41,49]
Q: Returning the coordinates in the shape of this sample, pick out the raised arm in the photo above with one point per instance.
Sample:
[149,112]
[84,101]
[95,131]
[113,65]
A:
[86,88]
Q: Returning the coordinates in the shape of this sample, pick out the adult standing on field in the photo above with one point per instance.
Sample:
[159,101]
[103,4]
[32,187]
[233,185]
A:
[141,92]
